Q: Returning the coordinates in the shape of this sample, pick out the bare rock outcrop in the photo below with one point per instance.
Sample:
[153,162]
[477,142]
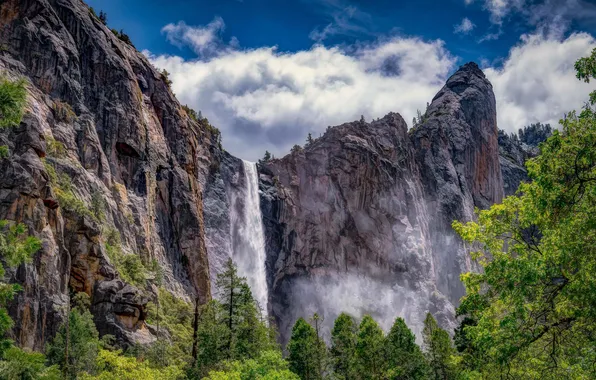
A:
[360,219]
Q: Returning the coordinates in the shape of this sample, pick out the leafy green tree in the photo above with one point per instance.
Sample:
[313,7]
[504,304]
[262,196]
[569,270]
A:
[175,316]
[439,349]
[404,357]
[82,338]
[303,349]
[343,347]
[19,364]
[533,302]
[370,349]
[13,97]
[113,365]
[269,365]
[586,70]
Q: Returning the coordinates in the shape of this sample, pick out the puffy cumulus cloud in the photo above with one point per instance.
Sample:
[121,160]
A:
[464,27]
[263,99]
[537,81]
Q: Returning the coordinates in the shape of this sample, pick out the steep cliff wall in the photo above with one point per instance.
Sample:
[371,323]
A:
[360,219]
[102,132]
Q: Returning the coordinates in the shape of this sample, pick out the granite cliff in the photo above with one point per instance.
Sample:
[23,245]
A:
[360,219]
[102,132]
[107,166]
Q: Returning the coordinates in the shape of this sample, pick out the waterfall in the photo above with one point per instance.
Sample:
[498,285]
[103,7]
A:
[248,236]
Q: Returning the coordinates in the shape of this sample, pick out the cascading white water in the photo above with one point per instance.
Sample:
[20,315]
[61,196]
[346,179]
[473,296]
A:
[248,236]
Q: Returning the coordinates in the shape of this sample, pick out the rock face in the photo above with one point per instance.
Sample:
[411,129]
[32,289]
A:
[103,132]
[516,149]
[360,219]
[106,163]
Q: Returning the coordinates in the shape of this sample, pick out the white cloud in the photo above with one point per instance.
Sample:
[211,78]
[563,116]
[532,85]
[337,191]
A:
[263,99]
[537,81]
[464,27]
[468,2]
[203,40]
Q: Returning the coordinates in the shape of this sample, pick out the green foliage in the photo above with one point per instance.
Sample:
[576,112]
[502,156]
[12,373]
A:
[98,205]
[530,312]
[13,97]
[439,350]
[585,70]
[17,364]
[83,343]
[370,349]
[54,148]
[269,365]
[404,358]
[111,365]
[129,266]
[122,36]
[247,333]
[190,112]
[4,152]
[16,248]
[175,316]
[62,186]
[165,76]
[302,349]
[63,112]
[296,148]
[343,347]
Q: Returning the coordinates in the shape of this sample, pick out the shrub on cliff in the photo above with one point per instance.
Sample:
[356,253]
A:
[13,97]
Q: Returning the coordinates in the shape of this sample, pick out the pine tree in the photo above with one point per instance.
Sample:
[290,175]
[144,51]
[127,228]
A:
[404,357]
[419,116]
[370,350]
[267,156]
[343,346]
[103,17]
[439,349]
[246,332]
[232,294]
[80,336]
[320,346]
[309,139]
[302,349]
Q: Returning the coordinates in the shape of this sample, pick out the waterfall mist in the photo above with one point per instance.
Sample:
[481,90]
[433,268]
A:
[248,235]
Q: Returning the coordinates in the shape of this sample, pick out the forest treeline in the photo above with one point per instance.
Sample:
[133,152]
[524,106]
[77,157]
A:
[528,314]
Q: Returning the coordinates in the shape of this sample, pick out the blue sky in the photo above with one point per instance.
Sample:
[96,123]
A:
[269,47]
[288,24]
